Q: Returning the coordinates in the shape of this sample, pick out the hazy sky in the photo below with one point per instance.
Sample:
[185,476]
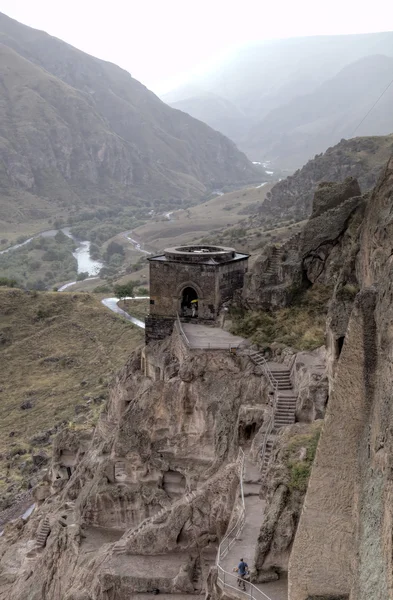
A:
[162,42]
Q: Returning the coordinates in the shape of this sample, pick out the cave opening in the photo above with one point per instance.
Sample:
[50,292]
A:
[249,431]
[339,345]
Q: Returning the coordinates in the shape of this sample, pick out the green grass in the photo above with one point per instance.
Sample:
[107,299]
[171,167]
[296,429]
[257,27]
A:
[301,326]
[57,351]
[304,445]
[137,308]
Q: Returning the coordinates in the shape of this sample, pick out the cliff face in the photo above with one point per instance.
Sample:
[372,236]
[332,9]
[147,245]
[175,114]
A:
[362,158]
[160,477]
[314,255]
[76,130]
[343,547]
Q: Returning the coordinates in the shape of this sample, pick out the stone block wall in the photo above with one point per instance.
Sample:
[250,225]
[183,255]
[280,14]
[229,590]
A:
[158,328]
[168,280]
[230,278]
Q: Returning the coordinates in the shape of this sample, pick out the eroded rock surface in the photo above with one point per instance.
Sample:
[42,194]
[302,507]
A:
[144,503]
[343,544]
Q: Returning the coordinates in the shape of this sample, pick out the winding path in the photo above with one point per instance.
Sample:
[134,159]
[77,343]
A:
[111,303]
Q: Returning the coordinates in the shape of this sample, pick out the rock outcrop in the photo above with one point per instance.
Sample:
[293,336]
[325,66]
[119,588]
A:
[343,544]
[292,198]
[315,254]
[284,491]
[143,504]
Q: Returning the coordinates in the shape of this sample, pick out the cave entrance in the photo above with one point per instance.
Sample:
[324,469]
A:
[189,303]
[339,345]
[247,432]
[174,483]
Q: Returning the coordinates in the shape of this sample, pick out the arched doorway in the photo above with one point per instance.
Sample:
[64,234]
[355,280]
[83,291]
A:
[189,303]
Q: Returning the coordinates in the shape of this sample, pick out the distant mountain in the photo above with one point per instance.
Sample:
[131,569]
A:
[262,78]
[78,131]
[218,112]
[309,124]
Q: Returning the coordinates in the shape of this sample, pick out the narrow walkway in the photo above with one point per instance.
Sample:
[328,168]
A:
[246,542]
[215,338]
[111,303]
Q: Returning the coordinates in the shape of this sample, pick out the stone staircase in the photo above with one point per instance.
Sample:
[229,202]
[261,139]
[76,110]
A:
[273,262]
[43,532]
[120,547]
[279,377]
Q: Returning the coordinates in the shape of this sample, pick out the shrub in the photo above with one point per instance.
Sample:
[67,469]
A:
[102,289]
[82,276]
[124,290]
[6,282]
[300,470]
[347,292]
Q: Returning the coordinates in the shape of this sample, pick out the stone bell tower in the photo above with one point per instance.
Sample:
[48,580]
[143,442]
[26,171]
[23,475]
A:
[192,282]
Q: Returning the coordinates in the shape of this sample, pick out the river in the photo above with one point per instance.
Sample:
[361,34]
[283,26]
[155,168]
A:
[82,253]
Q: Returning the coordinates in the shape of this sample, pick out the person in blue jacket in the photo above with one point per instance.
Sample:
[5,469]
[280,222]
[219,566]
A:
[242,570]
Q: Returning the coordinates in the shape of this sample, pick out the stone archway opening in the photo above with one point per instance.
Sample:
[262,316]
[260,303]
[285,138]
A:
[189,302]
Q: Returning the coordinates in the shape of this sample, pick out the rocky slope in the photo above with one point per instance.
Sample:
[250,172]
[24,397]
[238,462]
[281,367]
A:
[292,198]
[342,547]
[55,370]
[144,504]
[78,131]
[164,454]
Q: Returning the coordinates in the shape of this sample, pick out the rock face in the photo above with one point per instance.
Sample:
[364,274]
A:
[284,491]
[144,503]
[77,130]
[314,255]
[343,544]
[362,158]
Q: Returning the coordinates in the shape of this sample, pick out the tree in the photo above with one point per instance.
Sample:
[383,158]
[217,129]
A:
[82,276]
[124,290]
[114,248]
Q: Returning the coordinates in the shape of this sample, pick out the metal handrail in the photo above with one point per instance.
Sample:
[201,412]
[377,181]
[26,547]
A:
[230,537]
[224,578]
[274,384]
[181,330]
[229,581]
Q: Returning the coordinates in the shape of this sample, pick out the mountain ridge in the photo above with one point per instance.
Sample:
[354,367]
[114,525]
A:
[141,150]
[270,75]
